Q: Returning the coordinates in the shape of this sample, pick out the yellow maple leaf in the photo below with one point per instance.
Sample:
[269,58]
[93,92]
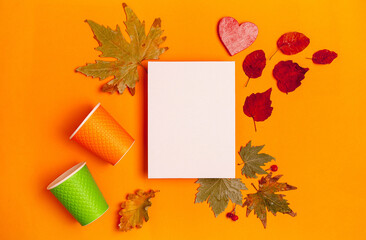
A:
[134,210]
[128,55]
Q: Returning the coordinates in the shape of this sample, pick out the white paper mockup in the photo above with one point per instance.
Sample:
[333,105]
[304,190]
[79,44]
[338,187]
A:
[191,120]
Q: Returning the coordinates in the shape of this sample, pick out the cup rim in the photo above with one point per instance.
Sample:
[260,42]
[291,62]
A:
[84,121]
[66,175]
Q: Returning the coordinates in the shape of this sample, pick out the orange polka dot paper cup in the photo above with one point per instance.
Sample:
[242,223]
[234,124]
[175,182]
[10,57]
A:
[101,134]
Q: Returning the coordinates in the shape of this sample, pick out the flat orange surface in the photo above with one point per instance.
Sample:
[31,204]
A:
[316,133]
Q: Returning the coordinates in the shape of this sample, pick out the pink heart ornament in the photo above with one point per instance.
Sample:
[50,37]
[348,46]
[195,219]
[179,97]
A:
[237,37]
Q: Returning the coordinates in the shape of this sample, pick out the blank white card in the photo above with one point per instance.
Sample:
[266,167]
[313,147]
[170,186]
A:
[191,119]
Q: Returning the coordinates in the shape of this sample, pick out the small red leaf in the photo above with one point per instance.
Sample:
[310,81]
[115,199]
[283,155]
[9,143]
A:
[288,75]
[292,42]
[254,64]
[324,56]
[258,106]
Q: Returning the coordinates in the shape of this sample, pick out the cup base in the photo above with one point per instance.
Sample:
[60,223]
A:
[125,153]
[96,218]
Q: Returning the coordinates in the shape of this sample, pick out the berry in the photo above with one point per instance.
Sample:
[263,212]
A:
[274,168]
[234,218]
[229,215]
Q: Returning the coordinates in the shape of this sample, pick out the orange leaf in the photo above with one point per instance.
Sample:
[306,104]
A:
[134,210]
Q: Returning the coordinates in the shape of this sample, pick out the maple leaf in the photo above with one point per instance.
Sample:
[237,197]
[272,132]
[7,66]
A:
[292,43]
[258,106]
[254,64]
[134,210]
[253,161]
[288,75]
[266,199]
[324,56]
[218,191]
[128,55]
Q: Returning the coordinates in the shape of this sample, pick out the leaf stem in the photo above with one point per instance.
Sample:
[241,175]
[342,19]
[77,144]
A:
[247,82]
[143,67]
[254,187]
[255,126]
[273,54]
[309,58]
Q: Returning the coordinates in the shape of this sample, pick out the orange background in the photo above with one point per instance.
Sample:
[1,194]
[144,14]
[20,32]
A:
[316,133]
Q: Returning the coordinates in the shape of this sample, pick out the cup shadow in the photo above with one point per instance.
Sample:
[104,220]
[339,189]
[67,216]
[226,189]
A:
[46,195]
[74,118]
[72,121]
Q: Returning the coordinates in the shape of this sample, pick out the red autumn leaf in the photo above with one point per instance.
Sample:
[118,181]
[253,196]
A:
[288,75]
[291,43]
[324,56]
[258,106]
[254,64]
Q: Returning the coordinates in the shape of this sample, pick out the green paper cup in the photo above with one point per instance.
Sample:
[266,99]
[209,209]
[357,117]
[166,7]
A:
[78,192]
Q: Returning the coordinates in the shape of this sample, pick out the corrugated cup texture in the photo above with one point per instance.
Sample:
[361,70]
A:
[81,196]
[101,134]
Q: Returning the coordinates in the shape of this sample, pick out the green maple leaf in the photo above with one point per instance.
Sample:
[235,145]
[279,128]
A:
[266,199]
[253,161]
[218,191]
[128,55]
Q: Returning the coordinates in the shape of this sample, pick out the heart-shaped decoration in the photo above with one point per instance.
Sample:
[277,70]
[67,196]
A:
[237,37]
